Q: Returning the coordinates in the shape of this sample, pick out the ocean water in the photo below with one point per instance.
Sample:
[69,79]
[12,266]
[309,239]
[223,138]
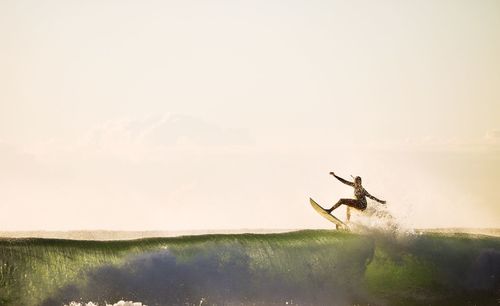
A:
[311,267]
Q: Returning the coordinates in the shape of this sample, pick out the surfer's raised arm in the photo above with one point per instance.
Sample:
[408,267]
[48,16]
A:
[374,198]
[342,180]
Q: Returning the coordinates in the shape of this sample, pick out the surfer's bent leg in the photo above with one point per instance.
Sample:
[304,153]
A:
[349,202]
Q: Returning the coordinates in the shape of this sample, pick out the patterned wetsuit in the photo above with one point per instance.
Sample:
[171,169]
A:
[359,192]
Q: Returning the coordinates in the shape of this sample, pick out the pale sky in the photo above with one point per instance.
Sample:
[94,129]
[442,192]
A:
[178,115]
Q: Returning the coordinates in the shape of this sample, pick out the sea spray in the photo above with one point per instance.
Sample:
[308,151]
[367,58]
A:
[377,219]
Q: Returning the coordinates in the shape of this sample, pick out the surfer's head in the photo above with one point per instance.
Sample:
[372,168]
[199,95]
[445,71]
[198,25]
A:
[357,181]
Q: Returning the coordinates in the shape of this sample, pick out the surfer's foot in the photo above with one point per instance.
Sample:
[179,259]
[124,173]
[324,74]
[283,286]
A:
[329,210]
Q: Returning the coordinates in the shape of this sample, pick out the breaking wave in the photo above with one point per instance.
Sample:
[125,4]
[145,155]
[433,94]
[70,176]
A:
[324,269]
[313,267]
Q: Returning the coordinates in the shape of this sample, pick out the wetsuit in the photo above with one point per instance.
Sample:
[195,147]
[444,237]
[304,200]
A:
[360,195]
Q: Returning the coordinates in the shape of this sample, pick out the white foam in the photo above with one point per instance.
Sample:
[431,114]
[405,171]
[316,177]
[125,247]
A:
[376,217]
[119,303]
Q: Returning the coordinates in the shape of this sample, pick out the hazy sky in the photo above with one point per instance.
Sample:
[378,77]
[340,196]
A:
[230,114]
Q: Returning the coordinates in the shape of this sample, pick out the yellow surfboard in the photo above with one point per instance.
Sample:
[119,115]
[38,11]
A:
[326,215]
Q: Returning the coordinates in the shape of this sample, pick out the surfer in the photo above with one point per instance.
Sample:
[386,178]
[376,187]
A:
[360,195]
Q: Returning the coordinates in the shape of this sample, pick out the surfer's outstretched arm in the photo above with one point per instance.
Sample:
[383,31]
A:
[342,180]
[374,198]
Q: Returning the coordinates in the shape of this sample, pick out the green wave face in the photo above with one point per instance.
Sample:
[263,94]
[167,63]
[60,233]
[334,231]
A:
[301,268]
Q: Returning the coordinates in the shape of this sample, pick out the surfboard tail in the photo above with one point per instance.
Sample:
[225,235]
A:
[318,208]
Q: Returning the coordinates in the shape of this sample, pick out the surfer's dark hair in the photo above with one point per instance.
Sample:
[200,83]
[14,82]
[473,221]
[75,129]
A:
[357,178]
